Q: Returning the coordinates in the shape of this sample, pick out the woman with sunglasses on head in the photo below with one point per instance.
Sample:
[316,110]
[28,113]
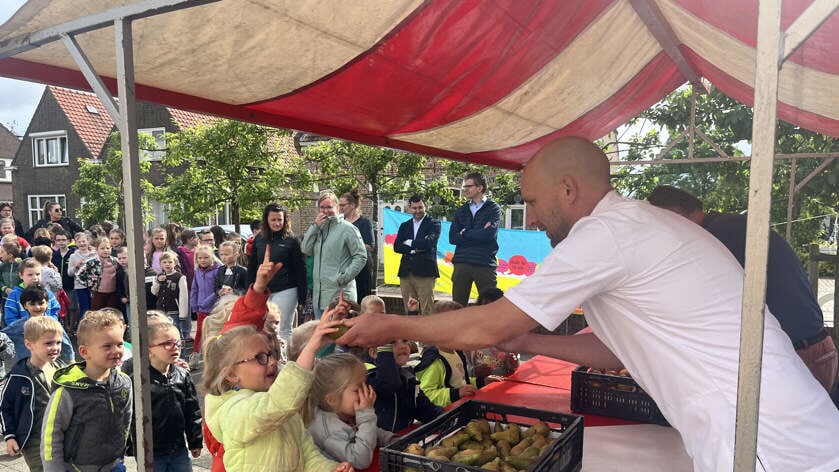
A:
[53,213]
[288,287]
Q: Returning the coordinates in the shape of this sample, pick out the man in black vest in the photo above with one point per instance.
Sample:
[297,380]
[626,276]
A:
[416,240]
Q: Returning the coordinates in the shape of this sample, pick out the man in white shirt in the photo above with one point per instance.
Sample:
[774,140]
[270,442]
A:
[662,294]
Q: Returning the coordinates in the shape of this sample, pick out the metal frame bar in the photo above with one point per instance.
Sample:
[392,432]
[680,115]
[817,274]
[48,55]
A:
[702,160]
[92,77]
[133,11]
[654,19]
[808,22]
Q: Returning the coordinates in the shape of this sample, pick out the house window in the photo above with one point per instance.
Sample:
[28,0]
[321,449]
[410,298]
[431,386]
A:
[514,217]
[49,149]
[6,170]
[36,205]
[156,154]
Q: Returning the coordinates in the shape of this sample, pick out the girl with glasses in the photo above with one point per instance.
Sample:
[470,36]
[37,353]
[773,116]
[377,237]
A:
[253,408]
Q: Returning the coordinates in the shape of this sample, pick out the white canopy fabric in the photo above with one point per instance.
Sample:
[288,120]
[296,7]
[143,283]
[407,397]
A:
[484,81]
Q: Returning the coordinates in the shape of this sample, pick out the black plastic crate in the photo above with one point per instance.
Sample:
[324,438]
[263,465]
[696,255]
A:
[612,395]
[564,455]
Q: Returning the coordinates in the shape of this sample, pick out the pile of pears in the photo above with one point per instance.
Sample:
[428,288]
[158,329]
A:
[507,449]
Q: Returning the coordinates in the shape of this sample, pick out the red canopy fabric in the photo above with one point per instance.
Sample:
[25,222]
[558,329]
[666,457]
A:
[483,81]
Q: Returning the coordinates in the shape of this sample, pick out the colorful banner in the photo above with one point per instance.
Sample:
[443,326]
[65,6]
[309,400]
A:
[519,253]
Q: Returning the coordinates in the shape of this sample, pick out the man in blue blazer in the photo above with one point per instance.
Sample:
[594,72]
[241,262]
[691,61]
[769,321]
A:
[416,240]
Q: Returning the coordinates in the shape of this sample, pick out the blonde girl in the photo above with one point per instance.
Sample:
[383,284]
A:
[340,414]
[253,408]
[202,294]
[80,295]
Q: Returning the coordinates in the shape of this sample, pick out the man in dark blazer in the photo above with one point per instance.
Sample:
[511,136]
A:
[416,240]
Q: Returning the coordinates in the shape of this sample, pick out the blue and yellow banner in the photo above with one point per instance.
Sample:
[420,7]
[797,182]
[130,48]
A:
[519,253]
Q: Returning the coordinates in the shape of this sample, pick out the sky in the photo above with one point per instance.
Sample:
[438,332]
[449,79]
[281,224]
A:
[18,99]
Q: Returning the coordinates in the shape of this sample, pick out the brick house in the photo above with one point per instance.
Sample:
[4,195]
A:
[68,125]
[8,147]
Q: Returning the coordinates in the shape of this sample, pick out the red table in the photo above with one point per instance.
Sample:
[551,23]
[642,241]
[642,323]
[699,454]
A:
[609,444]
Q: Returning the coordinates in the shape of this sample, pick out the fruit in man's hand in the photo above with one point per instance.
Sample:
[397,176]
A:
[341,330]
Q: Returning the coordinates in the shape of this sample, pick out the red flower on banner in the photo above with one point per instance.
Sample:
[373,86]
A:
[518,265]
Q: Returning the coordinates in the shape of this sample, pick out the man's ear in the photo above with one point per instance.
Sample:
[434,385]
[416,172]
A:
[568,188]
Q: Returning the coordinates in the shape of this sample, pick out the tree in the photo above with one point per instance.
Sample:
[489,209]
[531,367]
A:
[232,162]
[100,184]
[724,186]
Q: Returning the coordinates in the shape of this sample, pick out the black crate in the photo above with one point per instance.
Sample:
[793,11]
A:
[564,455]
[612,395]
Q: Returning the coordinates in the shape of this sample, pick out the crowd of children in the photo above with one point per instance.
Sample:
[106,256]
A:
[270,403]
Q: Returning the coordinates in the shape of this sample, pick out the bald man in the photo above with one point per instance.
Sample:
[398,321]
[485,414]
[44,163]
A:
[662,294]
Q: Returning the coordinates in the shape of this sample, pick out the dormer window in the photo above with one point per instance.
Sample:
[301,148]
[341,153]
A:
[49,149]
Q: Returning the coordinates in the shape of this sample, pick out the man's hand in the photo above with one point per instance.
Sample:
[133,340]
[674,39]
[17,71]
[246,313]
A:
[489,223]
[370,330]
[413,303]
[12,448]
[195,452]
[265,272]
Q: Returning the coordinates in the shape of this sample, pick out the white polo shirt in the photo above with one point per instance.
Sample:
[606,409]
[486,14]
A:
[665,296]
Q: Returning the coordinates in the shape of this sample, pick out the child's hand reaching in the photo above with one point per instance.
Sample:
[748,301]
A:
[366,397]
[265,272]
[467,390]
[344,467]
[329,323]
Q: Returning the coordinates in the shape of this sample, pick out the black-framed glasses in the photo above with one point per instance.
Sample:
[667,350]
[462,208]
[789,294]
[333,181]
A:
[169,345]
[261,358]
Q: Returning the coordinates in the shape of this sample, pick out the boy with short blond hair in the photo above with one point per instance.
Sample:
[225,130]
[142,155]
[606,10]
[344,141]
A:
[89,413]
[24,399]
[29,273]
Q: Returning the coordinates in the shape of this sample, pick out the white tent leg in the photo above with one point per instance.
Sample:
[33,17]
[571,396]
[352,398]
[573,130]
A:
[757,239]
[134,225]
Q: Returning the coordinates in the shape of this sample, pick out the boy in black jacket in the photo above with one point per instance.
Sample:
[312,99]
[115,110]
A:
[175,412]
[28,388]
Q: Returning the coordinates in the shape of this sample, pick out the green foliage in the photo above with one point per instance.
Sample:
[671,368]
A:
[100,184]
[235,163]
[724,186]
[387,173]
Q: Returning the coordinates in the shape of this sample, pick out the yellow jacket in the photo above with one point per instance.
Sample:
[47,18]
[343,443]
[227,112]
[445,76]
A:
[263,431]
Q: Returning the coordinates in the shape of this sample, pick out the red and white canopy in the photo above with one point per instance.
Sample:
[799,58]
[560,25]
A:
[485,80]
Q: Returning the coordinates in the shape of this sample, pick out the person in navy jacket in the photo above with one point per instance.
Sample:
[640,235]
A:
[474,233]
[416,240]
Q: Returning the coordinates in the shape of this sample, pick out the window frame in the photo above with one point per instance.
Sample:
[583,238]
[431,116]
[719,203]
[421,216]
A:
[156,155]
[45,137]
[41,199]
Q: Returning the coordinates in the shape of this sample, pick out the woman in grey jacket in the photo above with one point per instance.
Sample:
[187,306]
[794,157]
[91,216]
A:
[338,252]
